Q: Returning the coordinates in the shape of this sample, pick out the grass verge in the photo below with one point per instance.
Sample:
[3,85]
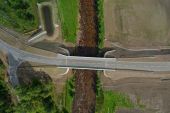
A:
[100,23]
[113,101]
[68,14]
[106,101]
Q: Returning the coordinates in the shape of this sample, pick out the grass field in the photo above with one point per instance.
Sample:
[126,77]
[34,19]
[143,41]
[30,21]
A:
[68,13]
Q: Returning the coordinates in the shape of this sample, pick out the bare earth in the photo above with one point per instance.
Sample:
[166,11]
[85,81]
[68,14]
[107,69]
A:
[139,24]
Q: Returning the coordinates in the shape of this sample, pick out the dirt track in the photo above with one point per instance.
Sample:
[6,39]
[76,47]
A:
[84,101]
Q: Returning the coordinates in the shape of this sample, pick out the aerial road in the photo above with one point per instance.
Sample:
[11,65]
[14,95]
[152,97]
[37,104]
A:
[76,62]
[17,55]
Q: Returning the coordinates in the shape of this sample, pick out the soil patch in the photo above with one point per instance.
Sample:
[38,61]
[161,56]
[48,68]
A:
[137,23]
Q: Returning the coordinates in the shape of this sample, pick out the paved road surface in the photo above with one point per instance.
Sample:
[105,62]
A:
[59,60]
[76,62]
[16,56]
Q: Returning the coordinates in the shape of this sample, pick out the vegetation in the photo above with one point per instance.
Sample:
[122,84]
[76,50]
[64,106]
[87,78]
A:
[99,95]
[19,15]
[109,101]
[68,12]
[36,94]
[5,97]
[37,97]
[66,98]
[114,100]
[69,93]
[106,101]
[100,23]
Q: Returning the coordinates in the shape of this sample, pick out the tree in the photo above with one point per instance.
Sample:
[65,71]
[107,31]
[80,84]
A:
[36,93]
[6,105]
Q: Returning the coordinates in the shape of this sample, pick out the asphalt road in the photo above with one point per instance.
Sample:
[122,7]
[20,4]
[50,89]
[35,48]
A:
[60,60]
[16,55]
[90,63]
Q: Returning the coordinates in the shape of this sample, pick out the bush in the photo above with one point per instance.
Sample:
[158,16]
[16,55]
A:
[20,15]
[6,105]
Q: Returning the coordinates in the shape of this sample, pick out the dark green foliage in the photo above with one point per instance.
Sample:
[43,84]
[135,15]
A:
[36,98]
[5,97]
[36,92]
[18,4]
[39,1]
[20,15]
[69,94]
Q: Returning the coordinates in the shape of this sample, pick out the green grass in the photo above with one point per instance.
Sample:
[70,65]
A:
[68,12]
[114,100]
[109,101]
[106,101]
[100,23]
[69,94]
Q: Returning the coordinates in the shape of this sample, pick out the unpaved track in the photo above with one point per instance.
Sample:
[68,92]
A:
[85,95]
